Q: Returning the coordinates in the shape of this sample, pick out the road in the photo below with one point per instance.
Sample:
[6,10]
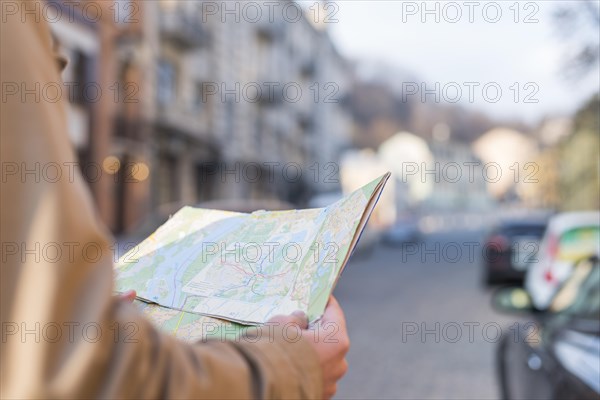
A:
[421,325]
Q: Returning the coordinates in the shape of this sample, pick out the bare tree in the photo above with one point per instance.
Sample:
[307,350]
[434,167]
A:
[579,24]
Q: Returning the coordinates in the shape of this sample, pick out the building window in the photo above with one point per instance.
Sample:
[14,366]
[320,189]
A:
[199,96]
[259,127]
[205,181]
[168,179]
[229,120]
[166,83]
[81,67]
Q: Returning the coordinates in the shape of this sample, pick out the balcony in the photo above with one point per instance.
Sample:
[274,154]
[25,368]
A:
[271,93]
[306,121]
[270,30]
[172,118]
[184,29]
[308,68]
[128,128]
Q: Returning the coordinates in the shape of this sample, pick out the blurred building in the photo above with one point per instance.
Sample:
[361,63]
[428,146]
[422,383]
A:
[209,101]
[508,161]
[443,175]
[87,44]
[580,161]
[459,178]
[565,175]
[408,156]
[358,168]
[540,187]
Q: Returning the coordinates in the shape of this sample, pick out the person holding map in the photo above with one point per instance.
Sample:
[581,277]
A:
[64,335]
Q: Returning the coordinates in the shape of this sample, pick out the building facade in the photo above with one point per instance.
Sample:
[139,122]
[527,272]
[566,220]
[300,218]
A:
[216,100]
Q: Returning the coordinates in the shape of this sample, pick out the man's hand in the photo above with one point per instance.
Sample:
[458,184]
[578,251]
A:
[128,296]
[331,352]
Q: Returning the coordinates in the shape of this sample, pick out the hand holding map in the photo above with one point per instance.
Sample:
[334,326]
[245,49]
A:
[245,268]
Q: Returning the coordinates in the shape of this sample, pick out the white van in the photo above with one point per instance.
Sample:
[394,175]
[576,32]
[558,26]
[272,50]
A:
[569,238]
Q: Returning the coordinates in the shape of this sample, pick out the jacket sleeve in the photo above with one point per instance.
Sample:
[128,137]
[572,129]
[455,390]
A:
[64,335]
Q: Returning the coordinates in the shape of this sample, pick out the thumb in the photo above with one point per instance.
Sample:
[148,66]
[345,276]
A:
[297,317]
[128,296]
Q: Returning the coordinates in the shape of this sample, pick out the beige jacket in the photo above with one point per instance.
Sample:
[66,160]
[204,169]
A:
[64,335]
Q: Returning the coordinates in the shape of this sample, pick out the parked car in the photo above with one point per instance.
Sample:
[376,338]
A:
[568,238]
[558,355]
[510,247]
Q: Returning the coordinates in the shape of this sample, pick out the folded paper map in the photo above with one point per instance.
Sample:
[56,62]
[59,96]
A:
[205,266]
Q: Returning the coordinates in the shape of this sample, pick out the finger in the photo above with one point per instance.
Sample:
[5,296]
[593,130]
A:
[340,370]
[333,312]
[297,317]
[128,296]
[330,391]
[333,302]
[302,318]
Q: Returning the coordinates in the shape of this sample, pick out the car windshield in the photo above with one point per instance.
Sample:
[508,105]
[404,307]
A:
[580,294]
[578,243]
[524,230]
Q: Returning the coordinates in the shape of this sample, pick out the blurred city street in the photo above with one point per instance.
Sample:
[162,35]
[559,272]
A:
[190,144]
[390,289]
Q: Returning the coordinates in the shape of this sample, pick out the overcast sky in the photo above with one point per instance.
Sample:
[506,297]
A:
[502,53]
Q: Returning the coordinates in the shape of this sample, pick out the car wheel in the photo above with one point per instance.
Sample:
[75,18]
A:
[501,367]
[489,278]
